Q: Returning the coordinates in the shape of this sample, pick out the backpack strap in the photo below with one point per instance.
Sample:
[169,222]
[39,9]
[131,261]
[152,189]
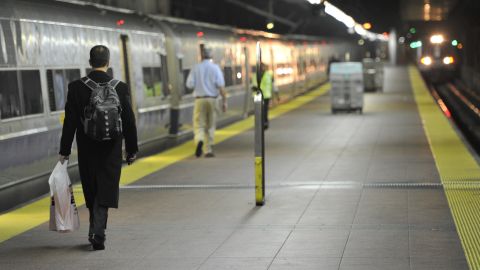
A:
[90,83]
[113,83]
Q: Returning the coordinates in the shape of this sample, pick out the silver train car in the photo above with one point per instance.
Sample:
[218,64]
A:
[45,44]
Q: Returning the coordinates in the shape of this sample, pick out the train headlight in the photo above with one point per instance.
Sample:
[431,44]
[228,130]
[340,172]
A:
[427,60]
[436,39]
[447,60]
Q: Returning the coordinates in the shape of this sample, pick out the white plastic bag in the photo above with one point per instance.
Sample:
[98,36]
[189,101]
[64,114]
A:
[63,210]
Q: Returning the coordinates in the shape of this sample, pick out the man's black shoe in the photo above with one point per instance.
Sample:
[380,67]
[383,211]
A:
[98,243]
[198,151]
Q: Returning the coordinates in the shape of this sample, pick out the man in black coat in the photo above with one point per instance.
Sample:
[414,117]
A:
[99,162]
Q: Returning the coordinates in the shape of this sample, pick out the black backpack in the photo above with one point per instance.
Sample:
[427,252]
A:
[102,116]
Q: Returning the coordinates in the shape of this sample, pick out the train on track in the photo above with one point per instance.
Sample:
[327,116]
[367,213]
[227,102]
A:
[45,44]
[438,58]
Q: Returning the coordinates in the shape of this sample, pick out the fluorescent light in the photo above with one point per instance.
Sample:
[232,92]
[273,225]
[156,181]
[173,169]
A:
[360,30]
[339,15]
[349,22]
[315,2]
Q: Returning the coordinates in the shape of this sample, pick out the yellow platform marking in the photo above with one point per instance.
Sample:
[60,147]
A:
[27,217]
[456,166]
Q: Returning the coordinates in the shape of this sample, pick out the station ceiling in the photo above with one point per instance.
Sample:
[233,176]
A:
[300,17]
[289,16]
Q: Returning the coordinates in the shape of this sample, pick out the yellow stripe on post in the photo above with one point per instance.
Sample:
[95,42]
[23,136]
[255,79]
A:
[259,196]
[458,169]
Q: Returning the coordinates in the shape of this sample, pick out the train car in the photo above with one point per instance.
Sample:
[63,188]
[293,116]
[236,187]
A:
[437,59]
[45,44]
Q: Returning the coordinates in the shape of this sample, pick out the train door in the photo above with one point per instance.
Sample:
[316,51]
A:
[126,69]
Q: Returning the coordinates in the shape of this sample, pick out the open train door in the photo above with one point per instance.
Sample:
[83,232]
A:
[125,53]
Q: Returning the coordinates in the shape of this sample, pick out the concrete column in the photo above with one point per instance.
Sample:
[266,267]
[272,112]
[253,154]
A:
[392,47]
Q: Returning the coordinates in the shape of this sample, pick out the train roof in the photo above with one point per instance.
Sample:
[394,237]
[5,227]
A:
[76,14]
[87,14]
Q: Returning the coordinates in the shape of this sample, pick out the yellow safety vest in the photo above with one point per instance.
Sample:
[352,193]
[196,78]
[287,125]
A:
[266,84]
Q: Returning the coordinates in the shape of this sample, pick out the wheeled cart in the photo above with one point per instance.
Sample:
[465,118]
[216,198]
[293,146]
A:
[346,92]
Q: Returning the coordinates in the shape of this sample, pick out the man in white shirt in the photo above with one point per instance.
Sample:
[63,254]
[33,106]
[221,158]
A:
[207,82]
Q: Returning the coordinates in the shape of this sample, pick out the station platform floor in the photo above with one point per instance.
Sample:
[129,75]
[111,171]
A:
[344,191]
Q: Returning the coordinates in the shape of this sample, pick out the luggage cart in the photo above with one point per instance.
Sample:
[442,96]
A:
[346,92]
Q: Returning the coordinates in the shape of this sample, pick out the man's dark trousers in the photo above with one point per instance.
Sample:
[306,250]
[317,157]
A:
[98,220]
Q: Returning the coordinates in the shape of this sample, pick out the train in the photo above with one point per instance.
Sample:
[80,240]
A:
[438,58]
[45,44]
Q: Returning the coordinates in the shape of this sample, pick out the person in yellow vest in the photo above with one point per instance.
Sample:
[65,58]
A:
[266,85]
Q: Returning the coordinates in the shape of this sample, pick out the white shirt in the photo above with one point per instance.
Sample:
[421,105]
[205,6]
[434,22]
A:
[205,78]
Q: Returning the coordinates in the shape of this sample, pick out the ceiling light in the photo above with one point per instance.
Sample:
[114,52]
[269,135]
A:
[367,25]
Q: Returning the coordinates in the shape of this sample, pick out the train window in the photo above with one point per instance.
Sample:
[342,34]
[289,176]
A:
[185,76]
[152,81]
[58,80]
[9,95]
[238,75]
[32,91]
[228,73]
[109,71]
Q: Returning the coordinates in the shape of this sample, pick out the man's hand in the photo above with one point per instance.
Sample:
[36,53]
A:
[62,159]
[130,158]
[224,105]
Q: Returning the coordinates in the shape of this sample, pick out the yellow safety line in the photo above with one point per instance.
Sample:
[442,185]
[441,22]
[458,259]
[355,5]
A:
[29,216]
[456,167]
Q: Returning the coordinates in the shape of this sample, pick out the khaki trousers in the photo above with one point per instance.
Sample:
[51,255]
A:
[204,118]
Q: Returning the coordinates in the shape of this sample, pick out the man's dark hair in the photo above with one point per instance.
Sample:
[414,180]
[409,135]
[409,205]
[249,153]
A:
[99,56]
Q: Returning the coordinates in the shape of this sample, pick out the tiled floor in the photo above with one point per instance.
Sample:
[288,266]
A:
[318,213]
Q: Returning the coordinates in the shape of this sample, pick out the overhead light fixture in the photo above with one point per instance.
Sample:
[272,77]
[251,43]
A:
[270,25]
[360,30]
[315,2]
[339,15]
[367,26]
[350,23]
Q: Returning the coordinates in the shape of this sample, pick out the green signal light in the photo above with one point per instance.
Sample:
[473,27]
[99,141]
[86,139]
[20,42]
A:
[454,42]
[416,44]
[413,30]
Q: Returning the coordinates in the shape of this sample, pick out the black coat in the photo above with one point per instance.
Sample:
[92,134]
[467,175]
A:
[99,163]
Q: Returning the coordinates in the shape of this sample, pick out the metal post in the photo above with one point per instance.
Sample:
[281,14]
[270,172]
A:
[259,136]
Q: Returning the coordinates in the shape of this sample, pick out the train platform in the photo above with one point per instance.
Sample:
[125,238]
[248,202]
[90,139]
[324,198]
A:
[392,188]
